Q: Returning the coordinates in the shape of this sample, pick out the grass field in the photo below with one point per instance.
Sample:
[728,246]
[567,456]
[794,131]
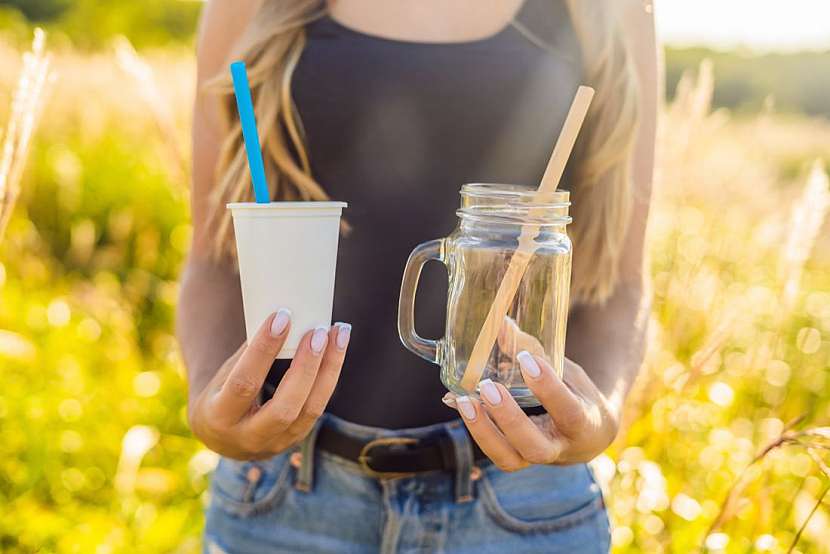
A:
[727,439]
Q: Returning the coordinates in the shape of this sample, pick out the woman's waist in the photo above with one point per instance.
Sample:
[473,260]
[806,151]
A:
[538,498]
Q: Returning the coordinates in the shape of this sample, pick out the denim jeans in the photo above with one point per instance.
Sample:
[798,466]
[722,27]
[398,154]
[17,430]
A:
[315,502]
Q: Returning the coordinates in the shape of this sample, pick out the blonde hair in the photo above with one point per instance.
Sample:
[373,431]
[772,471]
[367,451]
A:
[600,167]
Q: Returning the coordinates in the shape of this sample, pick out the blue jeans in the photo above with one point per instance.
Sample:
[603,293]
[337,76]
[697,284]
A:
[322,503]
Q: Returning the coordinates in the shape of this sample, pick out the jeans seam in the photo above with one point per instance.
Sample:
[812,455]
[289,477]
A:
[215,540]
[305,474]
[603,524]
[248,509]
[604,520]
[558,523]
[388,522]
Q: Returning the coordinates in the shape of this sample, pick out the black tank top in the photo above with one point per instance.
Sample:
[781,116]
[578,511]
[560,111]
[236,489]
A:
[395,128]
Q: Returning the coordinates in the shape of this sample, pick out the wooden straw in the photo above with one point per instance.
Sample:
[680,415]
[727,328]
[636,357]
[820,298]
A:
[524,251]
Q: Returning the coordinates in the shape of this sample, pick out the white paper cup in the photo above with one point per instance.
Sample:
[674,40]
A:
[287,256]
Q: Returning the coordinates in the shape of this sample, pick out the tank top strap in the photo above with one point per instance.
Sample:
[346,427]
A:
[547,24]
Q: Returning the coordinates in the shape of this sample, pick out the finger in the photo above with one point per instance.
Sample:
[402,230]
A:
[568,411]
[487,435]
[327,376]
[525,436]
[276,415]
[222,374]
[512,339]
[324,384]
[246,376]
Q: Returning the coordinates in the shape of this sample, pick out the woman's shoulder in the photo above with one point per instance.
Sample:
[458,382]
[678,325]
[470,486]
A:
[222,24]
[637,16]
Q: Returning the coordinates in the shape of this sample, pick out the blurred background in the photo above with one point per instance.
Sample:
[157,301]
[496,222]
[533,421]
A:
[727,440]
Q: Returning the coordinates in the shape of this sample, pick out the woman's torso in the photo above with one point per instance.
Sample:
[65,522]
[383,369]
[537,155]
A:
[395,128]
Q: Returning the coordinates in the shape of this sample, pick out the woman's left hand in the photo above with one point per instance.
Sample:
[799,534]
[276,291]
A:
[580,422]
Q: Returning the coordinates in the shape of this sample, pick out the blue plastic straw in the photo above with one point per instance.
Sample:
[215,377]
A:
[246,117]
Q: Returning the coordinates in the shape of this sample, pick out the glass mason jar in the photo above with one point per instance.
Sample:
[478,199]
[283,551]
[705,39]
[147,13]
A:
[492,220]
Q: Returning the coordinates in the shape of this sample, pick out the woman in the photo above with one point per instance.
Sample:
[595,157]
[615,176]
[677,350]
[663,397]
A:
[391,105]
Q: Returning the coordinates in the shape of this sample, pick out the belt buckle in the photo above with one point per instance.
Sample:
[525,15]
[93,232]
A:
[363,458]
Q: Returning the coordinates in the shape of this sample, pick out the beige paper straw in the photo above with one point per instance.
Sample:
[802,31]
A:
[524,251]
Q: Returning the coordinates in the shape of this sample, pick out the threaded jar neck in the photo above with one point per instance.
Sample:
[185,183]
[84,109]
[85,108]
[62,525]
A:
[513,205]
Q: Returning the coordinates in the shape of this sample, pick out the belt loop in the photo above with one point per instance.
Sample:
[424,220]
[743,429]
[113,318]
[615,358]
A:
[305,472]
[463,461]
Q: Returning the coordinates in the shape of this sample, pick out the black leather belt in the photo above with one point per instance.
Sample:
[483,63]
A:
[389,457]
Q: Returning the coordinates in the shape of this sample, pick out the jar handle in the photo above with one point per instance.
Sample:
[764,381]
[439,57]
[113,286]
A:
[425,348]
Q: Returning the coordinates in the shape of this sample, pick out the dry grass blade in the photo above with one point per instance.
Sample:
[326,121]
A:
[819,461]
[691,107]
[693,96]
[787,436]
[807,519]
[142,74]
[27,103]
[821,432]
[808,214]
[816,438]
[719,337]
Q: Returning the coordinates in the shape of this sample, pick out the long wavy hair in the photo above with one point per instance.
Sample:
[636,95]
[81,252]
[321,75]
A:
[600,166]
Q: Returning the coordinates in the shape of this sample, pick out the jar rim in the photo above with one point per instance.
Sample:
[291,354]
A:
[516,193]
[513,205]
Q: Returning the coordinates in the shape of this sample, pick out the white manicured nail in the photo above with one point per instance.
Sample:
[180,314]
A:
[450,400]
[280,322]
[490,392]
[466,407]
[319,339]
[529,364]
[344,331]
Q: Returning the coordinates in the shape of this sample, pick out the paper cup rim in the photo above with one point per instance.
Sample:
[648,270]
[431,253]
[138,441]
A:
[298,205]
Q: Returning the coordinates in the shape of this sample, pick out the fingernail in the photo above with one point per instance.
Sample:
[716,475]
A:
[280,322]
[466,407]
[319,339]
[529,364]
[344,331]
[490,392]
[450,400]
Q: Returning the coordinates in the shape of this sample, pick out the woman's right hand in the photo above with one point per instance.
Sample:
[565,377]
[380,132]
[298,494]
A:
[226,414]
